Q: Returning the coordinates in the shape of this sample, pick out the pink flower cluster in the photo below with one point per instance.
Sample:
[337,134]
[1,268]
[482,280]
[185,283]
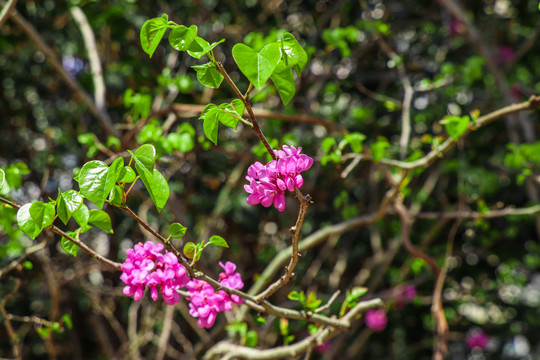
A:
[376,319]
[267,183]
[146,266]
[205,303]
[477,338]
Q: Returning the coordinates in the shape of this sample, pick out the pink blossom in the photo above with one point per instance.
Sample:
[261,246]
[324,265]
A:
[505,55]
[476,338]
[205,303]
[268,183]
[404,295]
[146,266]
[376,319]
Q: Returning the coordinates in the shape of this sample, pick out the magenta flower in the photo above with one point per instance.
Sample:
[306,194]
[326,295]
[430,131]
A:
[146,266]
[476,338]
[376,319]
[205,303]
[268,183]
[405,295]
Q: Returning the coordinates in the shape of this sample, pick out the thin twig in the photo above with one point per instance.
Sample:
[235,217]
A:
[6,11]
[15,263]
[13,337]
[295,234]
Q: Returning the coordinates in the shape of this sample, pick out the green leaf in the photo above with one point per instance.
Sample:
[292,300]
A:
[312,302]
[67,320]
[190,250]
[218,241]
[69,247]
[116,196]
[378,149]
[94,181]
[181,37]
[238,106]
[126,175]
[284,82]
[295,54]
[26,223]
[456,126]
[257,66]
[101,219]
[208,75]
[146,154]
[67,203]
[2,178]
[81,215]
[177,230]
[297,296]
[42,214]
[44,332]
[251,339]
[355,140]
[182,142]
[228,116]
[155,183]
[152,32]
[210,124]
[200,47]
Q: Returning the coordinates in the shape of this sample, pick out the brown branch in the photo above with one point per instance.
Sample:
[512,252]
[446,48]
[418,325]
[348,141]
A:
[15,263]
[508,211]
[79,243]
[295,234]
[36,38]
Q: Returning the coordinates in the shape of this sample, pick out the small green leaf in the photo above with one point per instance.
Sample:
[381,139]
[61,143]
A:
[251,339]
[210,124]
[67,203]
[146,154]
[177,230]
[26,223]
[358,292]
[152,32]
[2,178]
[155,183]
[284,82]
[228,116]
[378,149]
[190,250]
[257,66]
[126,175]
[355,140]
[42,214]
[69,247]
[218,241]
[67,320]
[116,196]
[94,182]
[295,53]
[297,296]
[200,47]
[101,219]
[456,126]
[312,302]
[28,265]
[208,75]
[181,37]
[238,106]
[81,215]
[44,332]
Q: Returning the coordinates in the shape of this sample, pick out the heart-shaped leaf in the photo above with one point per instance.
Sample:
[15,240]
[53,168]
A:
[284,82]
[238,106]
[152,32]
[218,241]
[42,214]
[177,230]
[67,203]
[69,247]
[228,116]
[81,215]
[294,53]
[94,181]
[101,219]
[210,124]
[208,75]
[155,183]
[257,66]
[146,154]
[456,126]
[26,223]
[200,47]
[181,37]
[126,175]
